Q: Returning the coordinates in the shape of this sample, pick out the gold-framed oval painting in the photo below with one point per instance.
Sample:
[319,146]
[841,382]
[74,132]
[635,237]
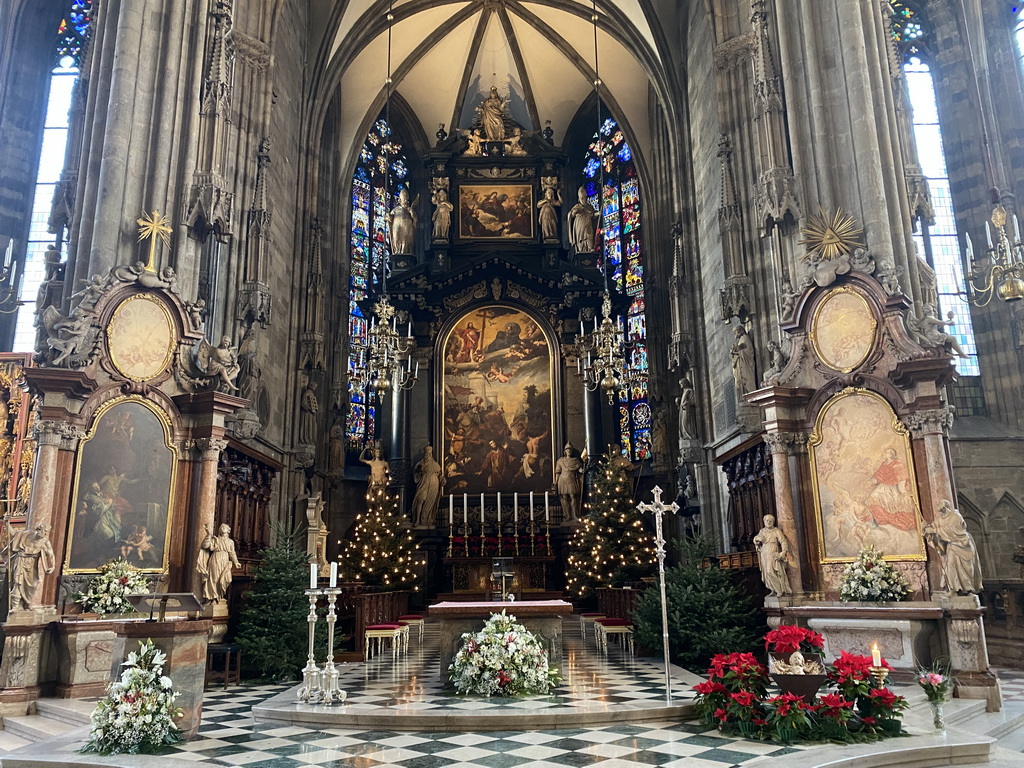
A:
[140,338]
[843,330]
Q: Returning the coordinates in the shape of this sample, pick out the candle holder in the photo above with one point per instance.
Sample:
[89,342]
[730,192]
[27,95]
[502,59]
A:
[465,536]
[533,536]
[880,674]
[515,533]
[547,537]
[312,691]
[451,537]
[329,676]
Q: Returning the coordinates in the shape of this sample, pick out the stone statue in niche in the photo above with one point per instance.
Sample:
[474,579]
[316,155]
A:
[379,469]
[309,411]
[742,353]
[582,224]
[547,216]
[429,479]
[961,568]
[32,559]
[442,218]
[929,328]
[569,482]
[249,371]
[772,554]
[216,558]
[219,363]
[659,438]
[687,412]
[336,448]
[402,220]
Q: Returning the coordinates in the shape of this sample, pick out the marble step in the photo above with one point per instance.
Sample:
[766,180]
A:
[9,742]
[71,711]
[36,727]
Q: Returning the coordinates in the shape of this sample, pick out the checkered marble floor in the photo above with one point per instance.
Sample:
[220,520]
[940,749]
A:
[1011,681]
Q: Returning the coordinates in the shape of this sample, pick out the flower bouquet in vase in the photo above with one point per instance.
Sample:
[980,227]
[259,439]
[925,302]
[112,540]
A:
[937,683]
[794,660]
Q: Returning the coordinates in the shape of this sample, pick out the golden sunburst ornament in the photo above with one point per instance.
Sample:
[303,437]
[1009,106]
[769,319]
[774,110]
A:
[154,226]
[828,237]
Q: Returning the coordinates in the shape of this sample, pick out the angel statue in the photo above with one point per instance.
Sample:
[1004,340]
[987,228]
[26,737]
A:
[930,329]
[219,362]
[66,335]
[402,219]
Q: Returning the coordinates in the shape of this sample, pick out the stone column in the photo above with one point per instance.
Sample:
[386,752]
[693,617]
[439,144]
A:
[209,449]
[928,429]
[786,505]
[47,435]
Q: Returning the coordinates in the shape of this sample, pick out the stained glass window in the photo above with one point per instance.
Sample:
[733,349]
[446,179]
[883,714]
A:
[382,166]
[1018,30]
[608,164]
[72,36]
[943,243]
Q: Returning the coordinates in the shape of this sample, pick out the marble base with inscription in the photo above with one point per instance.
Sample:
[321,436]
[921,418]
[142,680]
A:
[903,643]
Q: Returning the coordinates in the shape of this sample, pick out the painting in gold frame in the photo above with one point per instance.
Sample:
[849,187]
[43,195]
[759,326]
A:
[843,329]
[123,491]
[862,471]
[140,337]
[496,211]
[497,428]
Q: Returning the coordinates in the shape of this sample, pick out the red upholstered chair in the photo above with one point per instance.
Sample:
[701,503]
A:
[381,632]
[414,620]
[588,618]
[621,627]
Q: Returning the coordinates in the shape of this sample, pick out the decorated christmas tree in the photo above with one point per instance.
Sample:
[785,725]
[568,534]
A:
[611,545]
[381,551]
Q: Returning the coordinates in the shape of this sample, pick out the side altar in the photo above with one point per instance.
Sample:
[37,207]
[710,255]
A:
[542,617]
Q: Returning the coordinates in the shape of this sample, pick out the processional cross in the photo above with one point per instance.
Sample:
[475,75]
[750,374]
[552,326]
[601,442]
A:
[659,508]
[153,226]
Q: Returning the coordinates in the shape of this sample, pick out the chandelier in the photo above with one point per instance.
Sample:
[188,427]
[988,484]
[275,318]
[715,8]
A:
[387,358]
[1002,273]
[602,359]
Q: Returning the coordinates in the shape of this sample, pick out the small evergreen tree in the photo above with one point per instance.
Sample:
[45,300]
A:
[272,629]
[707,613]
[610,547]
[382,551]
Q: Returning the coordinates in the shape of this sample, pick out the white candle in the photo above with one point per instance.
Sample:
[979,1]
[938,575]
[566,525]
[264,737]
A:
[312,575]
[876,655]
[334,574]
[482,521]
[499,508]
[988,236]
[451,510]
[547,511]
[531,506]
[465,510]
[1016,229]
[515,507]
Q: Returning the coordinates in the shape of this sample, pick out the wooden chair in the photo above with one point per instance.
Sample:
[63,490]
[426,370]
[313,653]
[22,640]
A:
[588,618]
[414,620]
[378,633]
[621,627]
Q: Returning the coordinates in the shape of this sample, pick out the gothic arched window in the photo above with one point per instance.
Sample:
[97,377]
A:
[939,242]
[382,166]
[609,161]
[1018,30]
[72,36]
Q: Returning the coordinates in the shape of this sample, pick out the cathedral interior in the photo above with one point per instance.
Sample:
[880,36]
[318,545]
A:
[264,259]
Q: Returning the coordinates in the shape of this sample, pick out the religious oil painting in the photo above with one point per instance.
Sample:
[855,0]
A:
[123,489]
[496,211]
[496,395]
[843,330]
[863,479]
[140,337]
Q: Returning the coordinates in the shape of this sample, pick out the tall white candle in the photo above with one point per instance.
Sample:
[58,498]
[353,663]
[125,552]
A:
[334,574]
[547,512]
[531,506]
[465,510]
[451,510]
[499,508]
[515,507]
[482,521]
[312,575]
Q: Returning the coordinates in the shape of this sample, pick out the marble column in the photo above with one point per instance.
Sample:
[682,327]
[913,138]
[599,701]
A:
[48,435]
[928,429]
[781,445]
[209,449]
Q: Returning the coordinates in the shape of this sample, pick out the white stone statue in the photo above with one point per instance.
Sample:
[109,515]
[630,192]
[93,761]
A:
[442,218]
[219,362]
[379,468]
[32,558]
[492,116]
[687,412]
[795,665]
[429,478]
[547,217]
[930,328]
[216,558]
[961,568]
[742,352]
[402,220]
[582,224]
[772,554]
[569,482]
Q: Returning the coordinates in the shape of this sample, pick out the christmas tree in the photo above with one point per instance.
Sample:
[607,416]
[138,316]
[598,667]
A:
[381,551]
[611,546]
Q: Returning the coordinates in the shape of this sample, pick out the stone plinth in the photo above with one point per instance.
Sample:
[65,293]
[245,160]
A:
[185,643]
[27,650]
[542,617]
[84,657]
[218,614]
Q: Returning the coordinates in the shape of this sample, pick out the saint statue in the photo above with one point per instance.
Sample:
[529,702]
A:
[492,116]
[336,448]
[32,558]
[687,412]
[742,352]
[569,482]
[547,216]
[379,468]
[582,220]
[442,214]
[961,568]
[772,553]
[309,409]
[402,221]
[429,479]
[249,371]
[216,557]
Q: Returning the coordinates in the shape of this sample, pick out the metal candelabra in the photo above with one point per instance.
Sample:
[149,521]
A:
[659,508]
[312,691]
[331,691]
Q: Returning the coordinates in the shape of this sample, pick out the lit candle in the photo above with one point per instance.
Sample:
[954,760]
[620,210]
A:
[312,575]
[451,510]
[482,521]
[970,248]
[1016,229]
[515,507]
[531,506]
[547,511]
[334,574]
[499,509]
[876,655]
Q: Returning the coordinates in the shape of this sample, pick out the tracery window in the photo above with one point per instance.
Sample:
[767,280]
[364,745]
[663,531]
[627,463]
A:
[72,37]
[609,161]
[939,241]
[1018,30]
[382,169]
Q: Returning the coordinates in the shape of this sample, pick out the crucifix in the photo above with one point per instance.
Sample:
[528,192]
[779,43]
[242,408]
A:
[659,509]
[153,226]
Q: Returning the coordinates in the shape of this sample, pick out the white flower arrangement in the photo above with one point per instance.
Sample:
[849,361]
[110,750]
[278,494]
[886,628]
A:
[107,591]
[871,579]
[138,712]
[504,659]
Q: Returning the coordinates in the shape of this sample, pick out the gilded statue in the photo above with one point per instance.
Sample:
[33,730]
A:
[216,558]
[429,479]
[32,558]
[772,554]
[961,568]
[569,482]
[582,224]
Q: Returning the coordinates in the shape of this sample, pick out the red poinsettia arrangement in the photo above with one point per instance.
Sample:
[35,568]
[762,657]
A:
[790,638]
[851,674]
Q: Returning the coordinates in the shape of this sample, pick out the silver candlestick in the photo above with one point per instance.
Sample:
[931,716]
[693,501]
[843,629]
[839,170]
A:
[659,509]
[312,691]
[331,691]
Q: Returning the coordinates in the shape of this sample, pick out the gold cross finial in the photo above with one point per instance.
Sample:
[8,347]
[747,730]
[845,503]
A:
[154,226]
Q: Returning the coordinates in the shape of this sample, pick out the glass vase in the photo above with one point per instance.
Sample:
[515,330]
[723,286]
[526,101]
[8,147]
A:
[938,722]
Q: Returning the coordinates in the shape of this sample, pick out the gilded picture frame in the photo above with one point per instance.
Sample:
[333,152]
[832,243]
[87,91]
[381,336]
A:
[141,337]
[123,492]
[843,329]
[496,212]
[863,480]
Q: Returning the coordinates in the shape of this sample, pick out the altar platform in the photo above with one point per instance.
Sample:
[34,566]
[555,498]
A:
[407,694]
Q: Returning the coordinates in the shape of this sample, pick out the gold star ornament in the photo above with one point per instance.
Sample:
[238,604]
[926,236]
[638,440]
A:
[829,236]
[154,226]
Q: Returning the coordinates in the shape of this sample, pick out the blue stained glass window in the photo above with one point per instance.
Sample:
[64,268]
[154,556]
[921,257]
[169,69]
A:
[609,162]
[382,166]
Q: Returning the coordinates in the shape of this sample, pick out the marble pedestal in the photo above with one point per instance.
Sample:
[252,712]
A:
[28,651]
[543,618]
[185,643]
[84,657]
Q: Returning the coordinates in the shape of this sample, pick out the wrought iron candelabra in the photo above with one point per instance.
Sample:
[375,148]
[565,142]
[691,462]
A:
[312,690]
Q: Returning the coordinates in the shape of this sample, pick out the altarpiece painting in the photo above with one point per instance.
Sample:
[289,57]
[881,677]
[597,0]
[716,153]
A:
[863,478]
[496,211]
[496,395]
[123,488]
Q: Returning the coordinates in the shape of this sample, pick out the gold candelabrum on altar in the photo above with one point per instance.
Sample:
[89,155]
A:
[529,520]
[603,354]
[1002,272]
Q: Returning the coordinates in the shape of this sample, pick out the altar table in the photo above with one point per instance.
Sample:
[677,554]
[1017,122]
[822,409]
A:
[542,617]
